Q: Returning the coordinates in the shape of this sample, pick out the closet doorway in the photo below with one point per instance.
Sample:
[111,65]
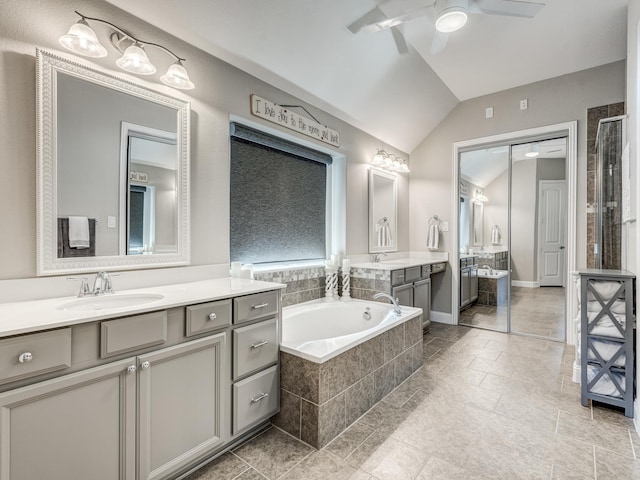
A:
[516,232]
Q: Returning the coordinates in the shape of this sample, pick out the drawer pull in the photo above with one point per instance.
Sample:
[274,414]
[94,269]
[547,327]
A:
[259,344]
[259,397]
[131,369]
[212,316]
[262,305]
[25,357]
[145,365]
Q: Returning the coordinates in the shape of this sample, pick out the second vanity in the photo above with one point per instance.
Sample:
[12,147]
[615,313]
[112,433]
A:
[89,390]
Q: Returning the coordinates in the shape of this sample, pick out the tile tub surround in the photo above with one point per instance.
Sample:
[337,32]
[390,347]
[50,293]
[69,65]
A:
[493,291]
[318,401]
[303,284]
[366,282]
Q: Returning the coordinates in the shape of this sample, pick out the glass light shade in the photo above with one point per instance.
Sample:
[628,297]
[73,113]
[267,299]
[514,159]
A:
[378,159]
[135,60]
[404,168]
[81,39]
[177,77]
[534,152]
[451,19]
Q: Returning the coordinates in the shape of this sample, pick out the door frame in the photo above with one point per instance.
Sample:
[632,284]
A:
[540,262]
[566,129]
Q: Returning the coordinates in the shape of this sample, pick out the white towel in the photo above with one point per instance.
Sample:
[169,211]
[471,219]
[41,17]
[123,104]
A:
[495,235]
[79,232]
[433,237]
[383,229]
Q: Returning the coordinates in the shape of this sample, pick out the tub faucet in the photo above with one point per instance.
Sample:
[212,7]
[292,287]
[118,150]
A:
[376,257]
[396,307]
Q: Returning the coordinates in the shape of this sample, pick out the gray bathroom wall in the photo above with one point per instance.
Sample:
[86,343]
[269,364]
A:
[221,91]
[556,100]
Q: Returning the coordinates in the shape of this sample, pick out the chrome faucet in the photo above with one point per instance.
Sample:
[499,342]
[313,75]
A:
[488,268]
[396,307]
[102,284]
[376,257]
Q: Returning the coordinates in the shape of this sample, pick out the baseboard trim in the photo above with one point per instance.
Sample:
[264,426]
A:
[576,372]
[636,417]
[522,283]
[441,317]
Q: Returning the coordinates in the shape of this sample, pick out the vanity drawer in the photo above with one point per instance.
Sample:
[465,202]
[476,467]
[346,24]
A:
[412,274]
[40,353]
[132,333]
[253,307]
[255,399]
[254,347]
[426,271]
[207,317]
[438,267]
[397,277]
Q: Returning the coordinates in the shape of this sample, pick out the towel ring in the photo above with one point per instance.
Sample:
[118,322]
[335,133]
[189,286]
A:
[434,220]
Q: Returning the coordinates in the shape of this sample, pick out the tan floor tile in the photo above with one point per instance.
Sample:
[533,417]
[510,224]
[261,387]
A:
[605,435]
[610,464]
[322,465]
[395,460]
[226,467]
[345,444]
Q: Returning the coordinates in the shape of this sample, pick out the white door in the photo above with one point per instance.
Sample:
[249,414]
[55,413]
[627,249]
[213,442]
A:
[552,218]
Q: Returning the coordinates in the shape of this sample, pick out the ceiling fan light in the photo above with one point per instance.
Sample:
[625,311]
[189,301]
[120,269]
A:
[534,152]
[81,39]
[135,60]
[177,77]
[451,19]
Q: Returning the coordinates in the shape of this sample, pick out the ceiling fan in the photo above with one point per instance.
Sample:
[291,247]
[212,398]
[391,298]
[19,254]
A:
[450,15]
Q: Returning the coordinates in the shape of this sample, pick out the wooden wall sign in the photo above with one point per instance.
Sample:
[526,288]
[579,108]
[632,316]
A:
[275,113]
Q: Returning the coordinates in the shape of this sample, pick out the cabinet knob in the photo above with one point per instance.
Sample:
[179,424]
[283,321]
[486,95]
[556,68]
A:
[259,344]
[25,357]
[131,369]
[212,316]
[145,365]
[259,397]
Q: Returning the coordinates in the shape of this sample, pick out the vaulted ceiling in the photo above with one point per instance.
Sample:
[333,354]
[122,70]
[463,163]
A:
[305,48]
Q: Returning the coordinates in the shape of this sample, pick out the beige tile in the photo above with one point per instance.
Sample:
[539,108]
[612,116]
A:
[349,440]
[226,467]
[273,453]
[561,473]
[439,469]
[250,474]
[610,464]
[610,437]
[321,466]
[395,460]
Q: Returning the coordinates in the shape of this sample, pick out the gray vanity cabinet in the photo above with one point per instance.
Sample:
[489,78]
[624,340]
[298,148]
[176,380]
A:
[182,395]
[79,426]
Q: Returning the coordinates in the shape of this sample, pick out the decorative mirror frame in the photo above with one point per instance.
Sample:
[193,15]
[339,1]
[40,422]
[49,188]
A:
[478,223]
[373,247]
[48,263]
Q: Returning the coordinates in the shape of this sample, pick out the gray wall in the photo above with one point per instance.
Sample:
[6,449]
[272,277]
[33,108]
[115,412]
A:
[221,91]
[552,101]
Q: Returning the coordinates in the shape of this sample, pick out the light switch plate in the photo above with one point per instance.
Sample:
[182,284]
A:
[524,104]
[444,227]
[488,112]
[111,222]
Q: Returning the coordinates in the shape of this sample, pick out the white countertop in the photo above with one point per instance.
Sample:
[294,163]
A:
[30,316]
[396,264]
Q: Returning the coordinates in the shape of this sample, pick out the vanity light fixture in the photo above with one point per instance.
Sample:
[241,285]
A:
[480,197]
[533,152]
[82,39]
[389,162]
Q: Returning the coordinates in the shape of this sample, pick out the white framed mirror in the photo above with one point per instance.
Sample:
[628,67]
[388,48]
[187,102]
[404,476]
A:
[112,171]
[478,221]
[383,211]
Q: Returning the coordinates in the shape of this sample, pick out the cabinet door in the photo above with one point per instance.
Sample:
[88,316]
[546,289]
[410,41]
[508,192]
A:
[422,299]
[183,396]
[465,286]
[473,284]
[79,426]
[404,294]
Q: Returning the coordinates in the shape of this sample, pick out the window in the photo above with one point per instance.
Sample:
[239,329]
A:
[278,199]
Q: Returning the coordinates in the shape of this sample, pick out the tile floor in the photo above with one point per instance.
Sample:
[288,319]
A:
[534,311]
[485,405]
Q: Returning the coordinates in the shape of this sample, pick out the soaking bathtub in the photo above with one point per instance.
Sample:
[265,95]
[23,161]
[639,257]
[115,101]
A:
[338,359]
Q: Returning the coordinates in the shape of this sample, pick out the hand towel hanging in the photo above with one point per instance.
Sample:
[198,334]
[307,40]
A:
[79,232]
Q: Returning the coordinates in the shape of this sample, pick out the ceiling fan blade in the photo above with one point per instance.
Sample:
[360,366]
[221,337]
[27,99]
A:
[439,42]
[367,20]
[376,20]
[510,8]
[401,43]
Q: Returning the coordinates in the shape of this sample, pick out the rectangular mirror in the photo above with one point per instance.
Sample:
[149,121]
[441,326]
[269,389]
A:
[383,207]
[113,163]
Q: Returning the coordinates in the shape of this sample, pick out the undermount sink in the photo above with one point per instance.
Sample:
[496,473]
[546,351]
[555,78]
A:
[110,301]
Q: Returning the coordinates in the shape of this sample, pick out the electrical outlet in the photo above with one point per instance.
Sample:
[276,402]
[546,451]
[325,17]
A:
[488,112]
[111,222]
[524,104]
[444,227]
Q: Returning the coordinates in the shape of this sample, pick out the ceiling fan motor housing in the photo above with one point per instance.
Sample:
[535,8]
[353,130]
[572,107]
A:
[451,15]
